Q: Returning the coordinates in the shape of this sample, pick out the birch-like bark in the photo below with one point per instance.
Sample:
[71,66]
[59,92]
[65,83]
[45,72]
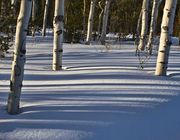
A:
[100,18]
[84,19]
[13,2]
[45,18]
[138,29]
[58,34]
[34,8]
[90,21]
[165,38]
[154,17]
[19,57]
[105,21]
[144,26]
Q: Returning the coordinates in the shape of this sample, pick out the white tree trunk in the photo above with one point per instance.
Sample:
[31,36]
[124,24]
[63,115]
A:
[138,30]
[142,41]
[19,57]
[34,8]
[105,21]
[165,38]
[90,21]
[154,17]
[100,18]
[58,34]
[84,19]
[45,18]
[13,2]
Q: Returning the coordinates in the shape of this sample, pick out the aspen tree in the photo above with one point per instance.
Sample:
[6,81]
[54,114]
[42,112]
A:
[100,18]
[90,21]
[165,38]
[34,9]
[144,26]
[58,34]
[45,18]
[84,18]
[154,17]
[13,2]
[19,57]
[138,29]
[105,21]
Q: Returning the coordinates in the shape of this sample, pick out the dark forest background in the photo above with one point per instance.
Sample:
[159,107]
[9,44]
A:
[122,19]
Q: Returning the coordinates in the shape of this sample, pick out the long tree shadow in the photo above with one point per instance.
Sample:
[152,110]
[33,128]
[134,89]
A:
[92,97]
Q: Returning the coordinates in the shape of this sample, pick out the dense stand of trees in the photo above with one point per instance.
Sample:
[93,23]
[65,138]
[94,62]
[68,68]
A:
[7,24]
[120,16]
[123,17]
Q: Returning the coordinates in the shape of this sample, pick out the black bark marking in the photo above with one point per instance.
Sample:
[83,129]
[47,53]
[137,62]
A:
[163,63]
[61,50]
[165,28]
[169,14]
[20,19]
[59,18]
[169,42]
[23,51]
[162,51]
[59,32]
[11,85]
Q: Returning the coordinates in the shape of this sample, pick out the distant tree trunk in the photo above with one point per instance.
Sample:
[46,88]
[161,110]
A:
[100,18]
[13,2]
[84,19]
[145,8]
[34,8]
[105,21]
[58,34]
[165,38]
[90,21]
[13,6]
[3,7]
[154,17]
[138,29]
[17,73]
[45,18]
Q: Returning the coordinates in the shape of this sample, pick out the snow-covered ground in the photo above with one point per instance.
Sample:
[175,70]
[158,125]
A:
[100,95]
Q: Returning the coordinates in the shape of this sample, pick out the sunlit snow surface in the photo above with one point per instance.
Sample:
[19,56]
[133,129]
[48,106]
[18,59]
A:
[101,94]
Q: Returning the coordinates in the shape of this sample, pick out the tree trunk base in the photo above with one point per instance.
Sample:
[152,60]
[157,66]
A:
[13,105]
[56,68]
